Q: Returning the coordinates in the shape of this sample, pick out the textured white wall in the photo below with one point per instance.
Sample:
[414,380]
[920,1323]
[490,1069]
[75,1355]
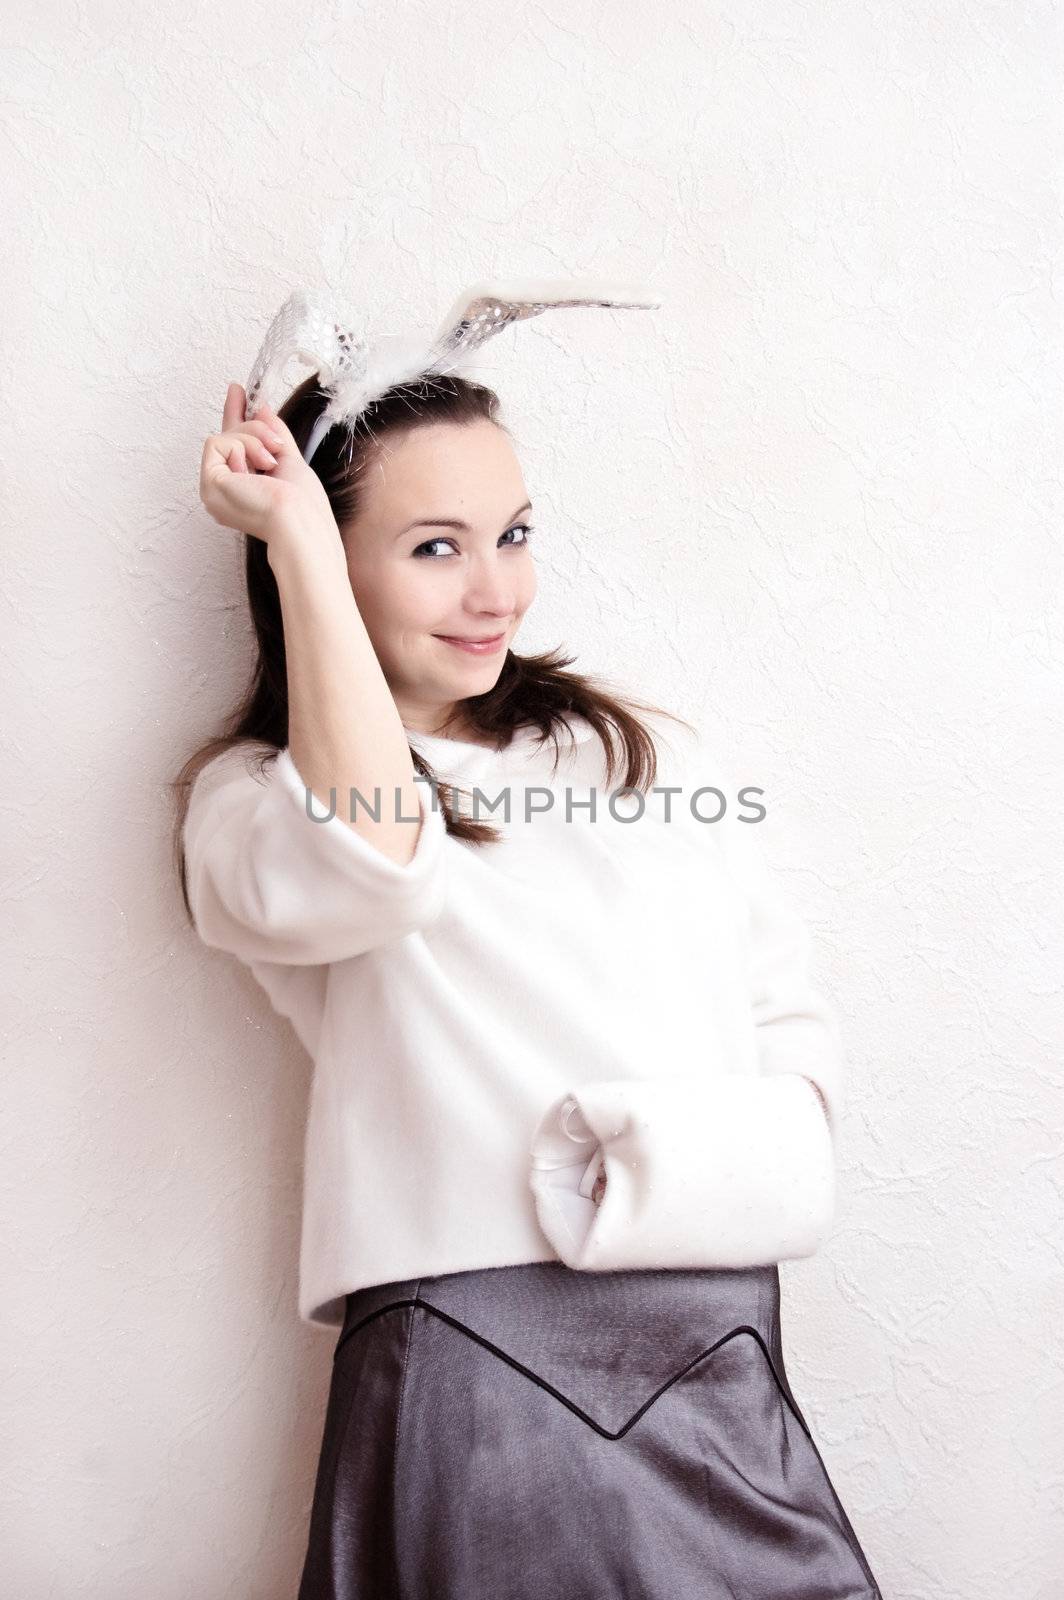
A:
[813,502]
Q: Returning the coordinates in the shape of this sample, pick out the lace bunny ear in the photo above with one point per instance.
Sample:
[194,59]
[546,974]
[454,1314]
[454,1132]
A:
[308,330]
[487,308]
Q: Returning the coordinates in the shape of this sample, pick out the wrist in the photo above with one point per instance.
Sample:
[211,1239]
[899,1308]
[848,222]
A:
[303,544]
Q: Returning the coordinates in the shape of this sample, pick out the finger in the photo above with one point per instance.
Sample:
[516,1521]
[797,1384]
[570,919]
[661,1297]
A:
[253,446]
[276,425]
[223,458]
[257,440]
[258,427]
[235,401]
[255,451]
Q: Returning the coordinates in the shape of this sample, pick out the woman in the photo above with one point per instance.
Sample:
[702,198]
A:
[573,1098]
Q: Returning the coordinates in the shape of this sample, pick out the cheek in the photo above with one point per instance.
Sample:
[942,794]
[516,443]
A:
[395,602]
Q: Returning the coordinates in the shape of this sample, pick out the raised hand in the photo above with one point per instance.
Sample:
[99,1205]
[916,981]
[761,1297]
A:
[254,479]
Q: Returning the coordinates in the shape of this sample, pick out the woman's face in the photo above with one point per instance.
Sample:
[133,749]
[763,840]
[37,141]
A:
[419,584]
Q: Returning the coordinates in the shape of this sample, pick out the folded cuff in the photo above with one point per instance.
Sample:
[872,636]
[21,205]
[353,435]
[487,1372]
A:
[271,881]
[730,1171]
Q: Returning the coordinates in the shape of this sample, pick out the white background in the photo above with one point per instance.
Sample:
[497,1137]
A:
[813,503]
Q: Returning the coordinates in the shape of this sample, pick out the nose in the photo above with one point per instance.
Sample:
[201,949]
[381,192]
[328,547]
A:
[491,590]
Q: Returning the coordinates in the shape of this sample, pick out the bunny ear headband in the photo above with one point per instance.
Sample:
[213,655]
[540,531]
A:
[357,369]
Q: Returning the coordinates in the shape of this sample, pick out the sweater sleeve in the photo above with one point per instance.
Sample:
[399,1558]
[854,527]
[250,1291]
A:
[270,880]
[724,1169]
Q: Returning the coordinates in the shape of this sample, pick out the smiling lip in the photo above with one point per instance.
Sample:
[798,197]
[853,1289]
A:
[476,647]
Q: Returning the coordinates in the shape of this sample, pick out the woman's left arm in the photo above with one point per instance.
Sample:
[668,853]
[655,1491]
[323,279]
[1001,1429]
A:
[716,1170]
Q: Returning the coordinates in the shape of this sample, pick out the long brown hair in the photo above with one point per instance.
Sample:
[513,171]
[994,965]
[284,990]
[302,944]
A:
[536,690]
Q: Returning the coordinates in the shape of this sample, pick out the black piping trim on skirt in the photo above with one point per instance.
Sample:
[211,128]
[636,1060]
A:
[781,1383]
[395,1305]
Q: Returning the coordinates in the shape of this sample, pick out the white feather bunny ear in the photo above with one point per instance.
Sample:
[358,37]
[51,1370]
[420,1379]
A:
[356,370]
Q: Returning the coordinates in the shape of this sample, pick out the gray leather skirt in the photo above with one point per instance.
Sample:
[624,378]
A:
[535,1433]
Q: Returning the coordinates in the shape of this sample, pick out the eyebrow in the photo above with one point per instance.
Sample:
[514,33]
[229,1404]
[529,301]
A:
[455,522]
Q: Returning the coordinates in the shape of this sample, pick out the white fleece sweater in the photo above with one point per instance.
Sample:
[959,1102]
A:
[484,1021]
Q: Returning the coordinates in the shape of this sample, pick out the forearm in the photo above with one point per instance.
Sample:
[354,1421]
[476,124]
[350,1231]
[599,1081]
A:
[344,729]
[594,1180]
